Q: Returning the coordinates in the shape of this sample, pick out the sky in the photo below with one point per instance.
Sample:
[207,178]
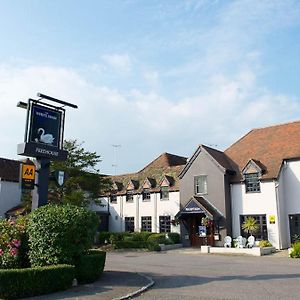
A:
[150,76]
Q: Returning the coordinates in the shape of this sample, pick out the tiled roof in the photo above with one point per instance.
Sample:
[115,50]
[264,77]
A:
[166,164]
[219,157]
[269,146]
[9,170]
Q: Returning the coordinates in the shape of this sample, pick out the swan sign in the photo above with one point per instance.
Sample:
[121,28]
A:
[45,126]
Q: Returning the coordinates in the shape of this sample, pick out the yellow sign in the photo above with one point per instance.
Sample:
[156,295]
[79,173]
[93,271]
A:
[272,219]
[28,172]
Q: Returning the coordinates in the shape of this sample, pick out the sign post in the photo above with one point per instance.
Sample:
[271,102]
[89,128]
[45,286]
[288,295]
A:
[43,140]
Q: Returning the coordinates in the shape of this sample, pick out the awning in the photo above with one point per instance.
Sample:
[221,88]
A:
[199,205]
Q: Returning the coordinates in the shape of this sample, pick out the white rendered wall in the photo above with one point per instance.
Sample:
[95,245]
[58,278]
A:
[289,196]
[10,196]
[168,208]
[263,203]
[115,217]
[130,209]
[148,208]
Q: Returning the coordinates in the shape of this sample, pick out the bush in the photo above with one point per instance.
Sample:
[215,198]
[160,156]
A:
[174,237]
[140,236]
[295,250]
[17,283]
[102,236]
[265,243]
[90,266]
[60,234]
[159,238]
[130,244]
[13,244]
[153,246]
[116,237]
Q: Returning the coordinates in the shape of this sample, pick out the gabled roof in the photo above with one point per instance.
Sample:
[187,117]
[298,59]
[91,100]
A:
[269,145]
[219,158]
[165,165]
[9,170]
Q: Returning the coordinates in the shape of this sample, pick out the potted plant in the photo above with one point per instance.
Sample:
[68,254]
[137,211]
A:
[250,225]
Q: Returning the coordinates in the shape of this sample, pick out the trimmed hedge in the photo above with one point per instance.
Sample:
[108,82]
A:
[17,283]
[90,266]
[130,244]
[59,234]
[159,238]
[174,237]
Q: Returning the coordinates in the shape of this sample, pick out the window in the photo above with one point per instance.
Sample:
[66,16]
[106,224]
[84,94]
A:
[252,183]
[129,224]
[146,224]
[113,198]
[164,224]
[200,184]
[262,233]
[129,196]
[146,195]
[164,193]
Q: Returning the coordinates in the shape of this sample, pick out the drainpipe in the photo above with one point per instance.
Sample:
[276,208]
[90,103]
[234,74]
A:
[278,213]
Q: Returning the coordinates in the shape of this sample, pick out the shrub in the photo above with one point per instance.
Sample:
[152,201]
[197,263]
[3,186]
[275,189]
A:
[17,283]
[153,246]
[116,236]
[174,237]
[13,244]
[60,234]
[295,250]
[264,243]
[130,244]
[90,266]
[102,236]
[159,238]
[141,236]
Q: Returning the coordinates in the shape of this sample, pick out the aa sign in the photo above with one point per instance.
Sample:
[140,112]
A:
[28,172]
[28,176]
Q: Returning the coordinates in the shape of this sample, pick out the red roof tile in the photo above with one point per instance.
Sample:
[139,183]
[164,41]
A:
[268,145]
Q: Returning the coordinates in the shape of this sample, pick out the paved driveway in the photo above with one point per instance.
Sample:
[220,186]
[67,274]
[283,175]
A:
[187,274]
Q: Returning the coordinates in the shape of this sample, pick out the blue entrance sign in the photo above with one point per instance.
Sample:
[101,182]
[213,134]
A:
[192,207]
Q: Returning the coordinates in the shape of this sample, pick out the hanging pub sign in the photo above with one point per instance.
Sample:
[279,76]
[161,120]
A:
[44,131]
[45,126]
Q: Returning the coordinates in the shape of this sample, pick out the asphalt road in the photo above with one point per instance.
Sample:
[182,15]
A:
[187,274]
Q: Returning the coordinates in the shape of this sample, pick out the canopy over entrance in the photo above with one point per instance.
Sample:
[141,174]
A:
[199,205]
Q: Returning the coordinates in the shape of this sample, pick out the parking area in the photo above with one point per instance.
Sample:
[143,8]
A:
[188,274]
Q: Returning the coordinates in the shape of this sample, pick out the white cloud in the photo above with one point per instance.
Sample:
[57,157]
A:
[142,122]
[119,62]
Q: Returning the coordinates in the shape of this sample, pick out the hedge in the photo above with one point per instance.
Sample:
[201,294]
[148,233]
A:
[174,237]
[159,238]
[17,283]
[90,266]
[130,244]
[59,234]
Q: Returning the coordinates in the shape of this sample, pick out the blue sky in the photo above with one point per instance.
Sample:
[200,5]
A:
[152,76]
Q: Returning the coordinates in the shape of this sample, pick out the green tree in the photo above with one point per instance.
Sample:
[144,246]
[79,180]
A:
[83,182]
[250,225]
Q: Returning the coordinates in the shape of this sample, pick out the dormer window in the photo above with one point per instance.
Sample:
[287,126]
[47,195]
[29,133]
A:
[252,183]
[129,196]
[252,173]
[146,195]
[113,198]
[164,193]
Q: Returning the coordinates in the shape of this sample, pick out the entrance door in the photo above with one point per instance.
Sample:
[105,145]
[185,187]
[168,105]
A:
[294,227]
[196,241]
